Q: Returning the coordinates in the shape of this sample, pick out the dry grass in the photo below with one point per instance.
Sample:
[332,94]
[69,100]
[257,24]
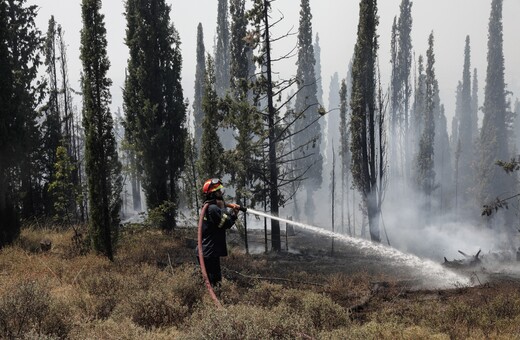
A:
[153,290]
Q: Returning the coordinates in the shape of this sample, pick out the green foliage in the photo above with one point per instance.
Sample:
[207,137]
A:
[307,138]
[222,50]
[200,74]
[62,189]
[425,156]
[161,215]
[363,115]
[20,43]
[102,164]
[502,203]
[154,102]
[211,162]
[190,176]
[492,181]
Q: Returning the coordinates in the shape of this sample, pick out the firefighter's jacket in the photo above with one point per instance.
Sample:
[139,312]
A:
[216,221]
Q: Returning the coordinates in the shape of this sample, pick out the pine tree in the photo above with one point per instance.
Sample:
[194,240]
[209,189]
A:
[260,36]
[200,72]
[363,114]
[308,138]
[493,181]
[102,164]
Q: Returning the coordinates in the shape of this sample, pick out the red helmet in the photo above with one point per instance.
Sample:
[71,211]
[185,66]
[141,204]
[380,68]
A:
[212,185]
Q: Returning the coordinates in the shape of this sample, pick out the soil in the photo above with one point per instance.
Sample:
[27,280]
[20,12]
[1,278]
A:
[316,257]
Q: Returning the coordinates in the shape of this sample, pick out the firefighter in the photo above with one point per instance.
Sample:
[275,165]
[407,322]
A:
[217,219]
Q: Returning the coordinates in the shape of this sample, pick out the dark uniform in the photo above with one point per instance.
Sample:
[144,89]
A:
[216,221]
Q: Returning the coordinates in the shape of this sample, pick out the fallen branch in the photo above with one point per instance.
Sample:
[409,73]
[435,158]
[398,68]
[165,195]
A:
[276,279]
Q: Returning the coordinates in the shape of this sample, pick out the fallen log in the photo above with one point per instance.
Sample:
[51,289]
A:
[468,261]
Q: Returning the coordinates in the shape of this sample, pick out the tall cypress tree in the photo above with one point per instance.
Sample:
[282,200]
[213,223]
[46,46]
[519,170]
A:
[154,102]
[363,115]
[345,153]
[492,180]
[210,164]
[244,116]
[222,64]
[401,60]
[516,126]
[102,164]
[474,109]
[200,72]
[425,157]
[317,69]
[404,60]
[442,154]
[9,131]
[308,137]
[222,50]
[20,44]
[419,107]
[465,134]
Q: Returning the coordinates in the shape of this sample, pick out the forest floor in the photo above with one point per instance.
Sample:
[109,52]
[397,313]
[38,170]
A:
[154,290]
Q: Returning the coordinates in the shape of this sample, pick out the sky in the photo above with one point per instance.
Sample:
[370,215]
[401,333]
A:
[336,23]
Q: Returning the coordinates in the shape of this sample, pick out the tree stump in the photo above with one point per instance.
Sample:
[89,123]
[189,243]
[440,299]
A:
[45,245]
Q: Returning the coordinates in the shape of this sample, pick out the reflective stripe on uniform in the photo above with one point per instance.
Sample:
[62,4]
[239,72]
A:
[223,220]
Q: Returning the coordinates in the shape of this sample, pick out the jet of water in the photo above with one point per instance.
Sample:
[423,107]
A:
[436,275]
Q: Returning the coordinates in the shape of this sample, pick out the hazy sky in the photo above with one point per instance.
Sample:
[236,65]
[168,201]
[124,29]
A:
[336,23]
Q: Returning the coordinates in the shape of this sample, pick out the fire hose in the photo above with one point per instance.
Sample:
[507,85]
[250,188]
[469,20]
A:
[200,252]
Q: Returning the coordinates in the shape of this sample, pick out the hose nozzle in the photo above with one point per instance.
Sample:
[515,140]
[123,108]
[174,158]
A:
[236,206]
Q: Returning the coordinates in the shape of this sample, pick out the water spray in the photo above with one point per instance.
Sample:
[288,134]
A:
[435,272]
[432,270]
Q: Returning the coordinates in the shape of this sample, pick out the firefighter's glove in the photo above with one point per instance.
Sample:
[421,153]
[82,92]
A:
[235,208]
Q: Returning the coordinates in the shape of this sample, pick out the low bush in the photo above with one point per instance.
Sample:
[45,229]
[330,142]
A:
[29,308]
[246,322]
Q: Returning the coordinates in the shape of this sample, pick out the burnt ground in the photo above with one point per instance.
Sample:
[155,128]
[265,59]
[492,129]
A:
[315,255]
